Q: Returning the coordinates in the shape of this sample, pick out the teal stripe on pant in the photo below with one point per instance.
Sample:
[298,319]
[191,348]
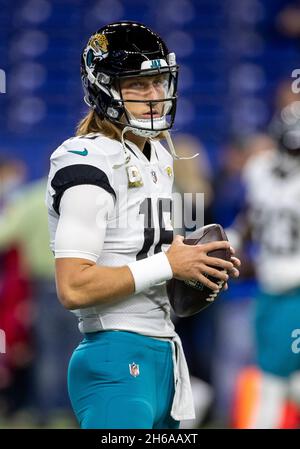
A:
[105,395]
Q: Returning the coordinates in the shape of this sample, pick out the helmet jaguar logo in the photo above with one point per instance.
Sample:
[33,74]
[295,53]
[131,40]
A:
[99,43]
[97,48]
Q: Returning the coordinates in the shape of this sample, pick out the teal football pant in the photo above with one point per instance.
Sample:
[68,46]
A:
[276,317]
[122,380]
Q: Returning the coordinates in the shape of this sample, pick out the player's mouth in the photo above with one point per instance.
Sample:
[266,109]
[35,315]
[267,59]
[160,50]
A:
[154,114]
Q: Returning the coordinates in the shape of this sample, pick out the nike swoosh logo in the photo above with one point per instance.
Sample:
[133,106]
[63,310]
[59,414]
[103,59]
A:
[81,153]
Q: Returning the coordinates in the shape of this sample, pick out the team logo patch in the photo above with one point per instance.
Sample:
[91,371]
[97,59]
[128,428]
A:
[99,44]
[134,369]
[169,171]
[134,177]
[96,50]
[154,176]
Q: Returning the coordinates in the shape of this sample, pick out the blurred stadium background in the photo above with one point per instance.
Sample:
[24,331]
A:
[232,56]
[236,60]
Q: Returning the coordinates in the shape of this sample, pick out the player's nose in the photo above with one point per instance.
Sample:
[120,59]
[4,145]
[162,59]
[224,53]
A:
[152,92]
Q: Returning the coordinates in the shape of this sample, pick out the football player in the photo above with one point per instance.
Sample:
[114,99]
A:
[272,182]
[109,200]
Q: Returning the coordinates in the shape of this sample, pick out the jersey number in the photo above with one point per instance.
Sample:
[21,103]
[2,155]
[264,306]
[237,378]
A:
[164,205]
[276,230]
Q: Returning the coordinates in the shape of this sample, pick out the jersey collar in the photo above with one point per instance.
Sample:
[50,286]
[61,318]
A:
[140,155]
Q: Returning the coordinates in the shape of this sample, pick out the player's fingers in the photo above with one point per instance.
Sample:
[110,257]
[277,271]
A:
[212,246]
[232,250]
[236,262]
[234,273]
[215,273]
[217,262]
[225,287]
[205,281]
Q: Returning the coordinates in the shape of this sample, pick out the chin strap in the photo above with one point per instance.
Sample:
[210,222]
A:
[169,142]
[173,151]
[126,152]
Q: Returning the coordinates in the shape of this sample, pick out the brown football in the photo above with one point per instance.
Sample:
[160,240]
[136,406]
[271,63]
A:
[190,297]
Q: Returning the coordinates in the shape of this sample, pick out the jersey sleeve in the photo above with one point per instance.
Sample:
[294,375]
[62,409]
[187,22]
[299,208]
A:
[82,223]
[77,161]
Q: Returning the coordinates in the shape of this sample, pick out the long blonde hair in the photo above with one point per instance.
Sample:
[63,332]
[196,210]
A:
[92,123]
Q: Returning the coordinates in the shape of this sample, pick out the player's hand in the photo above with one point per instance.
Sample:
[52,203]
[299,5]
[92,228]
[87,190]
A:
[192,262]
[234,272]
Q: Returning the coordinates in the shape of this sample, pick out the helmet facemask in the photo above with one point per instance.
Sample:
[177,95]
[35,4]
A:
[116,53]
[118,109]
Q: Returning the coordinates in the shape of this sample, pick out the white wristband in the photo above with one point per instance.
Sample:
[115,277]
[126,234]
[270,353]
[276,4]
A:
[150,271]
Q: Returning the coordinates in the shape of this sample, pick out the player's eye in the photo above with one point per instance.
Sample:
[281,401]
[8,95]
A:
[160,82]
[135,85]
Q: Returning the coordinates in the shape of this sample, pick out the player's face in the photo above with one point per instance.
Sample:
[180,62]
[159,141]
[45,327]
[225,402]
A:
[143,89]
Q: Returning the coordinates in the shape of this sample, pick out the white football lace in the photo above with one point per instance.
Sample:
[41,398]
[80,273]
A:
[215,293]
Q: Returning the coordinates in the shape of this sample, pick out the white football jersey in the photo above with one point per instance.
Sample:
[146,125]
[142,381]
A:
[273,196]
[139,226]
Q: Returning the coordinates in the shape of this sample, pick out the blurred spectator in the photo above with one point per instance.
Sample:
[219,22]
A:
[228,185]
[12,175]
[14,300]
[23,222]
[288,20]
[272,185]
[233,311]
[194,176]
[284,95]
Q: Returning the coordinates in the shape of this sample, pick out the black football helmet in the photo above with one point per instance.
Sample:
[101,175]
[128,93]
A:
[123,50]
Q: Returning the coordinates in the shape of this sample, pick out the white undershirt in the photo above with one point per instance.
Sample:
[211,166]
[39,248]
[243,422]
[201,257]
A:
[82,223]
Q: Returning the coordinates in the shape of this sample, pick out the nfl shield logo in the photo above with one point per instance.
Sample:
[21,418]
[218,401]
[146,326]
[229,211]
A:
[134,369]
